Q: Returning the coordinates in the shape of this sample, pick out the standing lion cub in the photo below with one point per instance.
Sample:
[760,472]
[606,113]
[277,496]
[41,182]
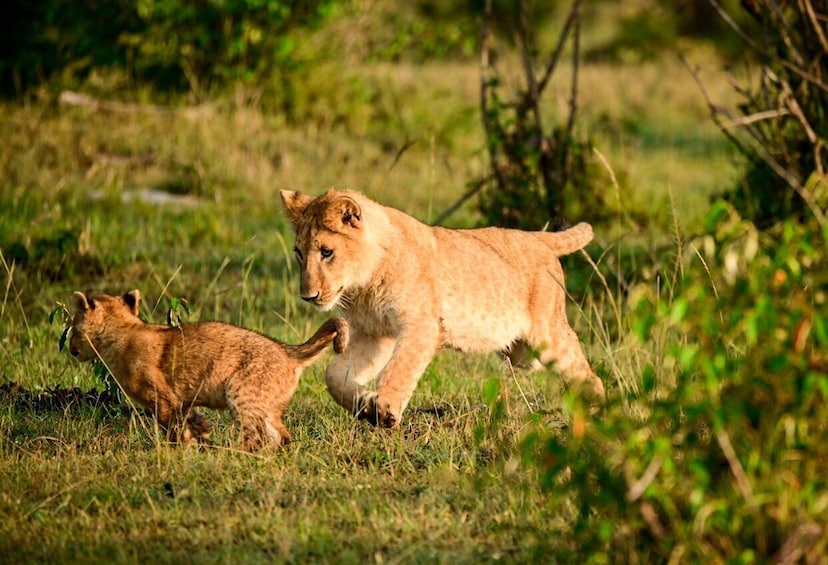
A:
[408,289]
[171,370]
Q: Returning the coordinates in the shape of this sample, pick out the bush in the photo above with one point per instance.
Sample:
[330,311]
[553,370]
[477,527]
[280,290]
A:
[781,125]
[727,463]
[172,43]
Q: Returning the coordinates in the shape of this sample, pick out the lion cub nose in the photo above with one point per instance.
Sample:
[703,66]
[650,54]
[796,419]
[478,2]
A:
[313,298]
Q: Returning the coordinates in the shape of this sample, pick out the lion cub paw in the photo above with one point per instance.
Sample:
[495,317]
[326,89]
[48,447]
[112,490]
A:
[370,409]
[197,428]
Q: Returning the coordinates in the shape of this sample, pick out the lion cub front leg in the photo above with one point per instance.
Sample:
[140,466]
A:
[170,416]
[415,349]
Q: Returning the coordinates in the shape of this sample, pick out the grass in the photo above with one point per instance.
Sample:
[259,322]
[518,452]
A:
[317,500]
[451,484]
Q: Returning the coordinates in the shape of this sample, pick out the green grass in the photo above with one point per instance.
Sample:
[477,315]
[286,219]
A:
[458,481]
[100,489]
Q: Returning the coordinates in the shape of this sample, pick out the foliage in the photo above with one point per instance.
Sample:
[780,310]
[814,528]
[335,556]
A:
[219,39]
[648,28]
[419,31]
[723,466]
[781,124]
[171,43]
[53,36]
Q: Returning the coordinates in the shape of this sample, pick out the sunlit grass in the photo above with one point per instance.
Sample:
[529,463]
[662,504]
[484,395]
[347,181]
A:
[448,485]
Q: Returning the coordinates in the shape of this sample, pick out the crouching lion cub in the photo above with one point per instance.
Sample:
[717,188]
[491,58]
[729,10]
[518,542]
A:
[171,370]
[408,289]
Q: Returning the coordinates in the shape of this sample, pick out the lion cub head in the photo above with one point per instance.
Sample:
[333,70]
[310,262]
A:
[92,315]
[335,245]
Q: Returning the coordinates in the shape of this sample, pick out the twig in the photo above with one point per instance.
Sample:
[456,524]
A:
[796,110]
[755,117]
[798,544]
[485,65]
[809,9]
[736,468]
[532,99]
[576,56]
[638,487]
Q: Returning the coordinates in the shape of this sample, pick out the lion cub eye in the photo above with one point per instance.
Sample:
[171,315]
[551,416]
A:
[298,254]
[325,252]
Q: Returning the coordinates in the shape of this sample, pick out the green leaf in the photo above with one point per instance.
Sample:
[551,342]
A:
[820,330]
[648,378]
[752,328]
[63,336]
[718,210]
[679,310]
[644,321]
[688,355]
[491,390]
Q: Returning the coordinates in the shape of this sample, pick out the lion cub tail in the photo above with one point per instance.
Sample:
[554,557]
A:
[334,330]
[571,240]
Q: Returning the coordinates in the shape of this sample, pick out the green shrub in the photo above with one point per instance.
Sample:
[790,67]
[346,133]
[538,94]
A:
[170,43]
[727,462]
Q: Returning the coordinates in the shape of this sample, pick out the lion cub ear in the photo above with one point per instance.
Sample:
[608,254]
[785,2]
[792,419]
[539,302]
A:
[82,302]
[295,204]
[342,211]
[132,299]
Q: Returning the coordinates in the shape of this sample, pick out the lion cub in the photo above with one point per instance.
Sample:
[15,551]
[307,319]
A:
[171,370]
[408,289]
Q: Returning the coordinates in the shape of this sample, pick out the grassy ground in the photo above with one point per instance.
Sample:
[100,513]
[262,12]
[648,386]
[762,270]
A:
[89,484]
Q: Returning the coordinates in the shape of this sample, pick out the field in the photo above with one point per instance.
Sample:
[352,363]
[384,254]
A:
[181,201]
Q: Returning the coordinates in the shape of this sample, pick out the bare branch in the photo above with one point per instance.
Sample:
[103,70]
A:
[474,189]
[576,57]
[485,67]
[531,101]
[757,148]
[736,468]
[781,23]
[796,110]
[753,118]
[574,13]
[764,52]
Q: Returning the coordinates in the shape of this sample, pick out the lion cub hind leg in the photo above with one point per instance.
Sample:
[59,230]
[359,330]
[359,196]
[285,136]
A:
[251,422]
[276,431]
[521,355]
[563,349]
[257,408]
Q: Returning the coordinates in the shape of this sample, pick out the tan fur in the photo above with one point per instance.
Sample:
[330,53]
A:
[408,289]
[171,370]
